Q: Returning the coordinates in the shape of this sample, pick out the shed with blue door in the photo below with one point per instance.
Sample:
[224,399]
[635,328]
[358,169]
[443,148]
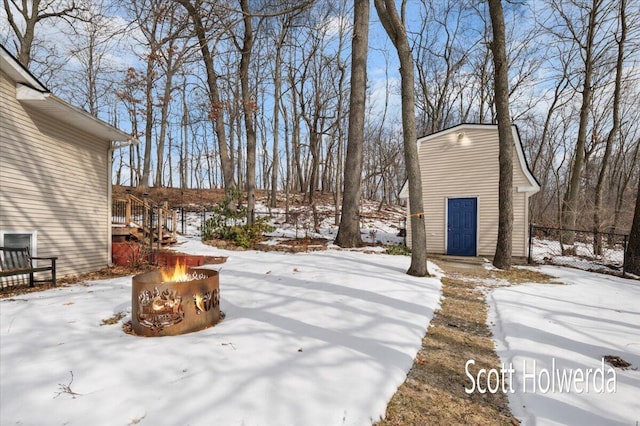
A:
[460,171]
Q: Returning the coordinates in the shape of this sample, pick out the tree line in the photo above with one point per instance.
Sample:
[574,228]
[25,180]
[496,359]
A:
[258,94]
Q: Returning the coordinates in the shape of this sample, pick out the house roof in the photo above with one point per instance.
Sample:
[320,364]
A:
[30,91]
[534,185]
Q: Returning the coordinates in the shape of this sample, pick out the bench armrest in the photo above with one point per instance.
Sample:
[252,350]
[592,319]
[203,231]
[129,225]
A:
[45,258]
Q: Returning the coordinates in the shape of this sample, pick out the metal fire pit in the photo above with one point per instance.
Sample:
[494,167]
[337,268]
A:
[172,308]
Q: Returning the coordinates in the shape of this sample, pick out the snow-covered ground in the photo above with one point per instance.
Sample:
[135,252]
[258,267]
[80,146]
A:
[550,251]
[568,329]
[376,227]
[322,338]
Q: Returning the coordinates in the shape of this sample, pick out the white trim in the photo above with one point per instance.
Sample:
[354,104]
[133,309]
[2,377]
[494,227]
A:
[526,226]
[446,221]
[109,205]
[69,114]
[446,224]
[27,93]
[17,72]
[34,240]
[533,189]
[404,191]
[523,164]
[32,232]
[33,250]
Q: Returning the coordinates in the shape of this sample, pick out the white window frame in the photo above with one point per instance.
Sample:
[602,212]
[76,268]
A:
[34,239]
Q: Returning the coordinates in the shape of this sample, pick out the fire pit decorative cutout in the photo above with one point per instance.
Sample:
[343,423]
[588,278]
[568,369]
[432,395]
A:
[175,301]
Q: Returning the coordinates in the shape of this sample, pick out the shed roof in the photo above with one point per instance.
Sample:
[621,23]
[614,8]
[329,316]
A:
[30,91]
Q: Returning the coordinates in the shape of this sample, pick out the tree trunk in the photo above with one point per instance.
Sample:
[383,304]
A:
[395,28]
[217,112]
[148,129]
[632,259]
[287,180]
[164,113]
[315,161]
[132,180]
[184,149]
[349,230]
[277,89]
[32,13]
[502,258]
[249,105]
[597,237]
[570,204]
[339,172]
[295,138]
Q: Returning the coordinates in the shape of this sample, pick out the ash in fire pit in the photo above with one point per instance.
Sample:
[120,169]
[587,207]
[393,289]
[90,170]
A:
[177,301]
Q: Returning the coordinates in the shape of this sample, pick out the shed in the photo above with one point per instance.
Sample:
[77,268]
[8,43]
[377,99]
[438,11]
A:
[460,173]
[55,173]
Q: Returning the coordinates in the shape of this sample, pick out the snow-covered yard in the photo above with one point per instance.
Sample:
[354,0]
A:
[568,329]
[323,338]
[550,251]
[309,339]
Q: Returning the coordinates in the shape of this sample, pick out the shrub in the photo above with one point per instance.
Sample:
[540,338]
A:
[399,250]
[230,224]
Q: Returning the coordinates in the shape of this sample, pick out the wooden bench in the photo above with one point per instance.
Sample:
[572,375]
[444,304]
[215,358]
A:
[18,261]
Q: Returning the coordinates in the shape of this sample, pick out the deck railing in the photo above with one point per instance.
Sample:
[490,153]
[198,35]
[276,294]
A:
[151,218]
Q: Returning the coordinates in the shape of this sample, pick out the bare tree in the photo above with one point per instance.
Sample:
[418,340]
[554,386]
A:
[249,106]
[280,38]
[395,28]
[502,258]
[442,48]
[632,258]
[155,20]
[32,13]
[349,230]
[338,134]
[198,12]
[615,128]
[92,42]
[130,95]
[587,42]
[313,87]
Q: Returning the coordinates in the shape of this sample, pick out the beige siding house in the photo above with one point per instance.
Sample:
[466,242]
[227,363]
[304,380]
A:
[55,174]
[459,168]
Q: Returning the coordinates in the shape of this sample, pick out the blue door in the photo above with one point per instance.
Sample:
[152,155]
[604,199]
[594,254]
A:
[462,221]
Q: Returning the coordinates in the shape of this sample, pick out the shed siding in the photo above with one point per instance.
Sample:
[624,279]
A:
[53,179]
[453,168]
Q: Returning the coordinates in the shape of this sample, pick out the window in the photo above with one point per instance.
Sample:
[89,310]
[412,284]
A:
[19,239]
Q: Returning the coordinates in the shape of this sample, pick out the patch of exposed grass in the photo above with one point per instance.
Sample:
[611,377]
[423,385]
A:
[400,250]
[525,275]
[114,319]
[434,391]
[474,269]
